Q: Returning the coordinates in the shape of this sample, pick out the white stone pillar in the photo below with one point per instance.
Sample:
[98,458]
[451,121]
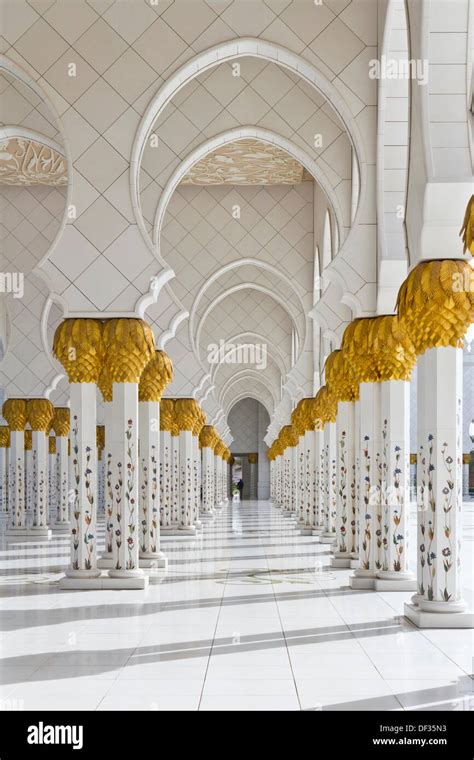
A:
[370,517]
[61,426]
[40,415]
[52,479]
[123,446]
[186,483]
[83,566]
[395,491]
[175,492]
[28,469]
[319,482]
[14,412]
[309,482]
[330,478]
[165,478]
[345,487]
[301,480]
[149,487]
[207,439]
[357,502]
[278,479]
[106,561]
[4,447]
[439,602]
[196,481]
[253,466]
[101,469]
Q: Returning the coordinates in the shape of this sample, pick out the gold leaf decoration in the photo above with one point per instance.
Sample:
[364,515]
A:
[130,345]
[14,411]
[4,436]
[40,413]
[61,421]
[79,346]
[467,229]
[156,376]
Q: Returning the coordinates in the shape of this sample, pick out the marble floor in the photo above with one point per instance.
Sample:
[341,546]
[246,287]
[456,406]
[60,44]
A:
[249,616]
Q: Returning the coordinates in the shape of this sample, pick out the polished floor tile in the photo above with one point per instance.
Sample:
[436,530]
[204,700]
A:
[249,616]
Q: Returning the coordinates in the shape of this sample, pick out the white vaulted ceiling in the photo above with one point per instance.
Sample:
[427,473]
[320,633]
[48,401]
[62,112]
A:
[202,76]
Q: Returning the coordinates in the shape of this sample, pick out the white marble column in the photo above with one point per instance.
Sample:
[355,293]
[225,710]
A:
[370,516]
[330,484]
[123,446]
[207,439]
[186,411]
[40,414]
[345,487]
[106,560]
[28,469]
[165,479]
[4,448]
[52,479]
[175,492]
[319,482]
[101,469]
[14,412]
[61,426]
[357,502]
[83,566]
[309,482]
[301,479]
[150,554]
[395,575]
[278,480]
[439,601]
[253,465]
[196,479]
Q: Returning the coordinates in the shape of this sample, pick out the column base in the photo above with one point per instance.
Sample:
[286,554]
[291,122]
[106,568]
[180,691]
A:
[82,574]
[207,515]
[63,527]
[189,532]
[354,563]
[20,531]
[102,582]
[150,560]
[105,563]
[39,531]
[392,581]
[424,619]
[327,538]
[340,561]
[362,579]
[198,525]
[305,530]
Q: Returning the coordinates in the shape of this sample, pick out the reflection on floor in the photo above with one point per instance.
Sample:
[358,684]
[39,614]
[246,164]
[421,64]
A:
[249,616]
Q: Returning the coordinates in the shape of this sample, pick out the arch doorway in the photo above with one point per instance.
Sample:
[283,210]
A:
[248,422]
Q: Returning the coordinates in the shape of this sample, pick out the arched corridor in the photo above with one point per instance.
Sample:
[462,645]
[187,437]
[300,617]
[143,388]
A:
[236,365]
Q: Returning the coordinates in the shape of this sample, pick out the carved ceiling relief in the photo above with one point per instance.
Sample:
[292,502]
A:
[247,162]
[25,162]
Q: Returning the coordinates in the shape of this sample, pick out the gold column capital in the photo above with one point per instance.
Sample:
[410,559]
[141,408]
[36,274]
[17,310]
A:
[129,346]
[157,374]
[14,411]
[105,385]
[79,346]
[28,440]
[40,413]
[326,405]
[61,421]
[253,458]
[207,437]
[4,437]
[395,354]
[52,444]
[436,303]
[167,417]
[200,420]
[357,349]
[187,412]
[339,379]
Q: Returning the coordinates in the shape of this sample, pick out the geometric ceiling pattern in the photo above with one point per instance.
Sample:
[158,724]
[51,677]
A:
[99,263]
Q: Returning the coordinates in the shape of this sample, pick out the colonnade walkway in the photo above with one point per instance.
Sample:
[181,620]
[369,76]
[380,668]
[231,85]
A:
[249,615]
